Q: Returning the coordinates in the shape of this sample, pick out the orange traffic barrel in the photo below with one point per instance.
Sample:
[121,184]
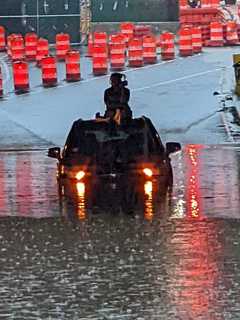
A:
[20,76]
[142,31]
[31,41]
[149,49]
[215,3]
[100,38]
[216,34]
[185,42]
[135,53]
[17,48]
[62,45]
[117,52]
[99,60]
[90,46]
[1,83]
[2,39]
[196,39]
[9,46]
[42,50]
[49,72]
[183,4]
[232,34]
[167,46]
[73,66]
[206,3]
[127,29]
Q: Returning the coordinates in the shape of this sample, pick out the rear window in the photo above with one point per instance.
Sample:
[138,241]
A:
[101,140]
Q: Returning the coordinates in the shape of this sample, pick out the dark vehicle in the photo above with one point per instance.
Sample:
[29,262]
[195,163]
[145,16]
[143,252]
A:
[103,165]
[101,150]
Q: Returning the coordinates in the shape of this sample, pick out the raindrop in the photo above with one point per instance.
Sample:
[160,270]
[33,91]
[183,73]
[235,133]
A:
[66,5]
[101,6]
[126,4]
[115,5]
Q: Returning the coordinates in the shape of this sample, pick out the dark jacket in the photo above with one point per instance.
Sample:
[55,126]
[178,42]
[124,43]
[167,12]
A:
[113,99]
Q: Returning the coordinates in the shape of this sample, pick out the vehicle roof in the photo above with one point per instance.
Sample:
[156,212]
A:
[136,123]
[89,131]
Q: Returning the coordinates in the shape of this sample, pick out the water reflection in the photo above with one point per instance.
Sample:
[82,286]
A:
[28,186]
[170,260]
[193,192]
[206,184]
[194,278]
[148,208]
[81,212]
[124,195]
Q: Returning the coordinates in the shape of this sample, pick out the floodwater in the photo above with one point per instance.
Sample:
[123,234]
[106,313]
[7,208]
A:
[175,257]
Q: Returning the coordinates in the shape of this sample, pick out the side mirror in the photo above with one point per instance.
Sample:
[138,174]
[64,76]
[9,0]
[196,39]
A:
[172,147]
[54,152]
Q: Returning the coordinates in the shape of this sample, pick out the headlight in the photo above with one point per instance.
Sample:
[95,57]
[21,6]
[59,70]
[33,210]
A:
[148,172]
[80,175]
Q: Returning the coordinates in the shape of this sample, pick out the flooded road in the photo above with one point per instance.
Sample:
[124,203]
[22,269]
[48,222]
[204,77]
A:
[175,257]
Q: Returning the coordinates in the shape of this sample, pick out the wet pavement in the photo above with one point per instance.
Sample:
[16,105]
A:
[98,254]
[176,258]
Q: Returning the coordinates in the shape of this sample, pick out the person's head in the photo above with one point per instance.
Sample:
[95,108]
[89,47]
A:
[116,79]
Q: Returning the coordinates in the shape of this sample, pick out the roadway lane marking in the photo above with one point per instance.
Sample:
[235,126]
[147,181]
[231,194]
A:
[150,66]
[194,75]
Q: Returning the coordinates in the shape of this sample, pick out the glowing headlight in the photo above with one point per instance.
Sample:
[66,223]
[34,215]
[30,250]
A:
[80,175]
[148,172]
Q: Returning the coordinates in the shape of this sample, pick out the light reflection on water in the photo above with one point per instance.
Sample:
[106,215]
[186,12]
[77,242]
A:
[175,259]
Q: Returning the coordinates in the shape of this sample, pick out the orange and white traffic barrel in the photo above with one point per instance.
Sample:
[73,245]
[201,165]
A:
[149,49]
[49,72]
[31,41]
[197,39]
[17,48]
[99,60]
[9,38]
[206,4]
[90,46]
[167,46]
[117,52]
[141,31]
[72,60]
[2,39]
[42,50]
[127,29]
[215,3]
[135,53]
[9,45]
[62,45]
[101,39]
[185,42]
[20,76]
[231,33]
[183,4]
[1,83]
[216,34]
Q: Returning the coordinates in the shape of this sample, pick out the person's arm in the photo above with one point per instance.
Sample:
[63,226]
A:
[125,96]
[106,99]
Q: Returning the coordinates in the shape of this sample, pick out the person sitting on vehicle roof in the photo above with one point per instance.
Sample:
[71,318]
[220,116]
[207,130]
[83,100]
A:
[117,97]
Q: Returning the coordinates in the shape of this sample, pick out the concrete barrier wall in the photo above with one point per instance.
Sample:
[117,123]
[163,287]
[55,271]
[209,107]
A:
[134,10]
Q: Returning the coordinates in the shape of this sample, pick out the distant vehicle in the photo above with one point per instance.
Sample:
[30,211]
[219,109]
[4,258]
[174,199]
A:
[101,150]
